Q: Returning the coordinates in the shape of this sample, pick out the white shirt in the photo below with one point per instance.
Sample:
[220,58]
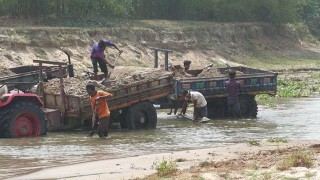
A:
[196,96]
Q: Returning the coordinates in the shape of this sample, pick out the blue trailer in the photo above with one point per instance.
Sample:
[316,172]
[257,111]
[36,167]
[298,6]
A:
[253,82]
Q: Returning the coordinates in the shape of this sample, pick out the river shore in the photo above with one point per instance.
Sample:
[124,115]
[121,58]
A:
[255,160]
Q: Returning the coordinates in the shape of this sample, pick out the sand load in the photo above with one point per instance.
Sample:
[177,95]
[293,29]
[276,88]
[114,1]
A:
[209,72]
[179,72]
[120,77]
[124,76]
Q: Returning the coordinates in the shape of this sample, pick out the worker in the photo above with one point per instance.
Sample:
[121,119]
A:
[98,57]
[233,89]
[186,64]
[199,104]
[99,103]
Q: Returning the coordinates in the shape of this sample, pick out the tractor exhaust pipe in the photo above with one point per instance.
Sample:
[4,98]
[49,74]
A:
[70,66]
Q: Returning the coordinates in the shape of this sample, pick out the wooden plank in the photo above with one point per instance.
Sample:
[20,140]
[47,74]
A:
[49,62]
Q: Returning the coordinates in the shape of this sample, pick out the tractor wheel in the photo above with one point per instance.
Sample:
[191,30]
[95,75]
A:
[248,106]
[141,116]
[217,108]
[23,119]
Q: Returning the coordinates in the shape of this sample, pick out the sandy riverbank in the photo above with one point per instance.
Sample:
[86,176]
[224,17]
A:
[239,161]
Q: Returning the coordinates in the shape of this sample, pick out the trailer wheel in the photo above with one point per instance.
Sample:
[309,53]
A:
[217,108]
[23,119]
[248,106]
[141,116]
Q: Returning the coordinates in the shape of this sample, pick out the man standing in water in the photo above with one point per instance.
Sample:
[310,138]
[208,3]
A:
[99,103]
[98,57]
[233,90]
[199,104]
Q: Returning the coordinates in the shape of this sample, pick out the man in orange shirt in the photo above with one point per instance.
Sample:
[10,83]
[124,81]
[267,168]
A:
[99,103]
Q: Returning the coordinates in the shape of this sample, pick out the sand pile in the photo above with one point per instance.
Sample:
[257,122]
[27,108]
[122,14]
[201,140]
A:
[72,86]
[209,72]
[179,72]
[123,76]
[120,77]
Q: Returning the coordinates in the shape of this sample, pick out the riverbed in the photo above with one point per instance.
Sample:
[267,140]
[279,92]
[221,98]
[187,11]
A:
[296,119]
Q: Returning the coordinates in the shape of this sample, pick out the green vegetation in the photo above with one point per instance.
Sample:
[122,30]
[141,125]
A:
[309,175]
[99,13]
[292,88]
[277,140]
[304,85]
[205,164]
[254,166]
[254,143]
[40,53]
[165,168]
[266,175]
[298,158]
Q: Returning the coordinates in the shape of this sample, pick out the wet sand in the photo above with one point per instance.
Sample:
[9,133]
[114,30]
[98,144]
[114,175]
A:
[189,163]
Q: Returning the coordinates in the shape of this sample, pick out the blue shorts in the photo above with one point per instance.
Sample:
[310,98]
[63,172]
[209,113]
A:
[102,64]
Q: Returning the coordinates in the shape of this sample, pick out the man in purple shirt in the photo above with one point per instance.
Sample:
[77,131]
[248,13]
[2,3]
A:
[98,57]
[233,89]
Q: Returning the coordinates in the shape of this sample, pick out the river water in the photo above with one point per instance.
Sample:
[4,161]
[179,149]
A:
[297,119]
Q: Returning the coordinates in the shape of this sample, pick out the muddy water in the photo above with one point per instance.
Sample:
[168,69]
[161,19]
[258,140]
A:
[292,119]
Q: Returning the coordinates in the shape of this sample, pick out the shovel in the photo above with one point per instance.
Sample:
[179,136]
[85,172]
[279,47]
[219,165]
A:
[91,133]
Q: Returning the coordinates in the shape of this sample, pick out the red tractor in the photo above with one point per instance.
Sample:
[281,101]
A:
[21,115]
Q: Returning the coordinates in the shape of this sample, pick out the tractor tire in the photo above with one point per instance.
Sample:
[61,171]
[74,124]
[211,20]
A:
[248,106]
[217,108]
[22,119]
[141,116]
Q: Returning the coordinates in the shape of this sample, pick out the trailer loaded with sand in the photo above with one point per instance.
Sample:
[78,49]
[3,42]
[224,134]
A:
[136,90]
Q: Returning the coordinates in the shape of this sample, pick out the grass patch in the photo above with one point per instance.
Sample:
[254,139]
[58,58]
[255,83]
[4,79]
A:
[293,88]
[40,53]
[298,158]
[204,164]
[309,175]
[266,175]
[254,166]
[277,140]
[165,168]
[254,143]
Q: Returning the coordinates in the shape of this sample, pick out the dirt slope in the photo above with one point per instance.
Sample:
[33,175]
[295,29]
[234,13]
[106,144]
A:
[202,42]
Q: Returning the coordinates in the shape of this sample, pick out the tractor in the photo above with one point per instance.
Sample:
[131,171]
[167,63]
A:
[21,114]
